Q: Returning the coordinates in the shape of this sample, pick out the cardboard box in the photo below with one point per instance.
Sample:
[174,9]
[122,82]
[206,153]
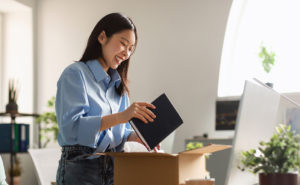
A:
[161,168]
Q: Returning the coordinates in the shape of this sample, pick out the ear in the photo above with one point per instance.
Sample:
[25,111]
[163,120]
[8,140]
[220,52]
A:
[102,38]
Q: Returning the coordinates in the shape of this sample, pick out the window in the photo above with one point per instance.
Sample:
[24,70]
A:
[253,23]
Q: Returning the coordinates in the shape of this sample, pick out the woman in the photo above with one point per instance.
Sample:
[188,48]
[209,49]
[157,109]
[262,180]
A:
[92,104]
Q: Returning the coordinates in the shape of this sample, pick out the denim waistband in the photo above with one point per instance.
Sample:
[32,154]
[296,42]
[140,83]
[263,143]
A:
[78,147]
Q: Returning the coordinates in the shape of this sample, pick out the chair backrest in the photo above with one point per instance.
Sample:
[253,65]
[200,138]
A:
[46,163]
[2,173]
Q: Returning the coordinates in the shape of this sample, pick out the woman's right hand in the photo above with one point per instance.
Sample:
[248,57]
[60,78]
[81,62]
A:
[139,110]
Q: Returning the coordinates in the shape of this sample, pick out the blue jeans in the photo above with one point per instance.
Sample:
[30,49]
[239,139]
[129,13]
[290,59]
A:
[74,169]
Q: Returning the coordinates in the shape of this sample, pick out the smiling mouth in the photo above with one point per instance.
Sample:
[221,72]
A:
[119,60]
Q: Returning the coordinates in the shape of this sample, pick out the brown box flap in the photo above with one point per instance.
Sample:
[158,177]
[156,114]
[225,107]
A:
[191,167]
[207,149]
[137,154]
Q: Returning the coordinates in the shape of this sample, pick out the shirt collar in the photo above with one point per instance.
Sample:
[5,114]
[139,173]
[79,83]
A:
[100,74]
[115,77]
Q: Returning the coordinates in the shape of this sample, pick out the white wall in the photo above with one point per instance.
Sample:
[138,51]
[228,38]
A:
[180,44]
[29,3]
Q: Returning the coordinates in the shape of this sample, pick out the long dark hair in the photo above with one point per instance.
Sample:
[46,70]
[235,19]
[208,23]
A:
[111,24]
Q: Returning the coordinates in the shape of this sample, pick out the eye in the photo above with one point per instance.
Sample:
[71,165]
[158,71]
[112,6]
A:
[131,49]
[123,43]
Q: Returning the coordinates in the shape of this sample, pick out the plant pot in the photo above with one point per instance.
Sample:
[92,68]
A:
[16,180]
[278,179]
[12,108]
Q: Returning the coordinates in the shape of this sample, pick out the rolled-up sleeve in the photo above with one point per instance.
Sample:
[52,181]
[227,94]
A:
[128,129]
[72,106]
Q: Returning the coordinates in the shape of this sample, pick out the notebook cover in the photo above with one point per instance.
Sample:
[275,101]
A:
[166,121]
[5,135]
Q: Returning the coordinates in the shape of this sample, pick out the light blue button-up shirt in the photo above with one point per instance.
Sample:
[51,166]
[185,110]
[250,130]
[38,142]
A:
[86,93]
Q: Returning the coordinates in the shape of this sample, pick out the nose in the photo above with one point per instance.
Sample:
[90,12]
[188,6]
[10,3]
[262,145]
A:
[126,53]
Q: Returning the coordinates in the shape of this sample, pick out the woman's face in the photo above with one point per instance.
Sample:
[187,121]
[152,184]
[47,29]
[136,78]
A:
[116,49]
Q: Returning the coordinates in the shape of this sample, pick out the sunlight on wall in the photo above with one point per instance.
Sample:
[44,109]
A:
[252,24]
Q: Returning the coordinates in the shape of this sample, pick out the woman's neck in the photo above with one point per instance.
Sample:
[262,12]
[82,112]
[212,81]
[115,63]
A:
[103,64]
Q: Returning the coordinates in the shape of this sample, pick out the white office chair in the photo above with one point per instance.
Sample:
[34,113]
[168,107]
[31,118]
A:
[46,163]
[2,173]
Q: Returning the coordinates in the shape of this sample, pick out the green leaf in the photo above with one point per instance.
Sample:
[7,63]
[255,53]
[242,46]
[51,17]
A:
[268,59]
[193,145]
[48,122]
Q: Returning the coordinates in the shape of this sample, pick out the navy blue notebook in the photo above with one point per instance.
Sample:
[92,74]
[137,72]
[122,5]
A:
[166,121]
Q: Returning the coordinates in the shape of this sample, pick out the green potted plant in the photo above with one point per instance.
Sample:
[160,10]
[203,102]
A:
[48,124]
[12,106]
[277,161]
[268,61]
[193,145]
[16,173]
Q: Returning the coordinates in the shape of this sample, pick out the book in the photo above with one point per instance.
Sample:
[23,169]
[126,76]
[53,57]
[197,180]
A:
[17,138]
[5,137]
[166,121]
[24,137]
[21,139]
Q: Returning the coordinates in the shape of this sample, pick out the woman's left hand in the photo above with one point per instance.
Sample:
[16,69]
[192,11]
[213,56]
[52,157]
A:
[134,137]
[157,148]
